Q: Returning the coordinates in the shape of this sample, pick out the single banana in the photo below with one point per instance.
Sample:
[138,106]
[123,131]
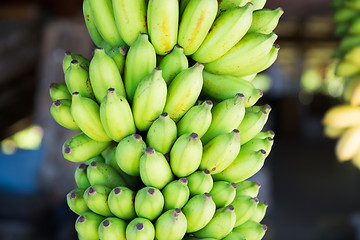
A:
[260,212]
[229,4]
[162,22]
[223,193]
[171,225]
[195,23]
[96,198]
[248,188]
[222,87]
[140,228]
[226,116]
[149,203]
[118,54]
[103,14]
[98,158]
[60,110]
[87,225]
[183,91]
[348,144]
[245,207]
[234,236]
[76,202]
[59,91]
[149,100]
[176,194]
[91,26]
[353,55]
[70,56]
[228,29]
[199,210]
[220,152]
[220,225]
[185,154]
[80,176]
[258,4]
[256,144]
[128,154]
[80,148]
[333,132]
[265,134]
[341,116]
[265,20]
[251,230]
[77,80]
[130,18]
[200,182]
[140,62]
[86,114]
[121,203]
[104,174]
[112,229]
[155,170]
[346,68]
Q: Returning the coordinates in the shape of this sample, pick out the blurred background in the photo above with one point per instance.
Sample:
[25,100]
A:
[310,194]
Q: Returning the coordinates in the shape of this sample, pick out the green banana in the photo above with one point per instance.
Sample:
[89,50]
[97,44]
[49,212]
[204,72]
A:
[256,144]
[198,211]
[104,174]
[80,176]
[248,188]
[345,14]
[245,207]
[91,26]
[346,43]
[76,202]
[200,182]
[130,18]
[258,4]
[96,198]
[234,236]
[60,110]
[265,20]
[87,225]
[229,4]
[171,225]
[116,116]
[128,154]
[260,212]
[140,62]
[162,134]
[121,203]
[223,193]
[176,194]
[103,14]
[182,6]
[265,134]
[162,22]
[85,112]
[140,228]
[80,148]
[104,74]
[196,21]
[118,54]
[196,120]
[183,91]
[353,56]
[59,91]
[228,29]
[149,203]
[155,170]
[220,225]
[173,63]
[98,158]
[185,155]
[226,116]
[70,56]
[112,229]
[354,27]
[221,87]
[149,100]
[77,80]
[220,152]
[251,230]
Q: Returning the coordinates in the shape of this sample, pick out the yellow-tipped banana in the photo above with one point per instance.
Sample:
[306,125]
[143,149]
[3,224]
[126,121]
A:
[96,198]
[87,225]
[149,203]
[171,225]
[112,229]
[60,110]
[176,194]
[121,203]
[265,20]
[348,144]
[341,116]
[91,26]
[140,228]
[76,202]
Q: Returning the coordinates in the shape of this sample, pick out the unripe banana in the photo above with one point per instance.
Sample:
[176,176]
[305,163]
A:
[91,26]
[265,20]
[220,225]
[258,4]
[155,170]
[265,134]
[229,4]
[118,54]
[58,91]
[252,230]
[176,194]
[234,236]
[70,56]
[196,120]
[185,155]
[227,30]
[333,132]
[87,225]
[80,176]
[245,207]
[112,229]
[140,62]
[130,18]
[226,116]
[198,211]
[183,91]
[342,116]
[183,4]
[85,112]
[121,203]
[256,144]
[346,68]
[81,148]
[347,42]
[104,174]
[195,23]
[348,144]
[171,225]
[98,158]
[140,228]
[149,203]
[103,14]
[220,152]
[200,182]
[96,198]
[128,154]
[162,22]
[77,80]
[76,202]
[223,193]
[173,63]
[60,110]
[149,99]
[260,212]
[248,188]
[162,134]
[104,74]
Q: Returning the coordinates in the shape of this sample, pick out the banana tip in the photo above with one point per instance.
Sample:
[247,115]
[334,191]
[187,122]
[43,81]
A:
[74,61]
[264,227]
[82,166]
[72,195]
[206,171]
[230,207]
[208,195]
[183,180]
[137,136]
[164,114]
[93,164]
[139,226]
[57,103]
[67,150]
[91,190]
[149,150]
[117,190]
[234,185]
[106,223]
[81,219]
[256,200]
[151,191]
